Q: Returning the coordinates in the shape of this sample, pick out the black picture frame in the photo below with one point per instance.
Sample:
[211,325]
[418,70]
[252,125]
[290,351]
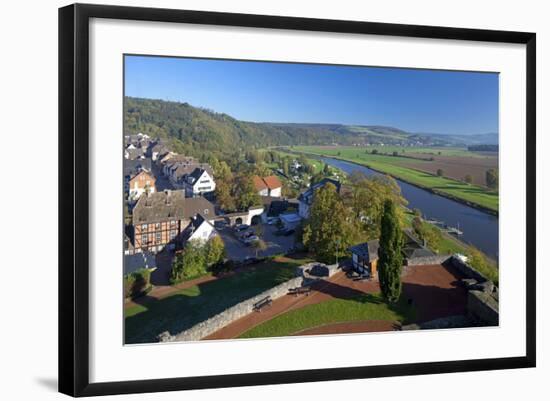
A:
[74,201]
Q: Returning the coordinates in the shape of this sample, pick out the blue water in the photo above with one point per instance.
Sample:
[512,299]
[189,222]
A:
[480,229]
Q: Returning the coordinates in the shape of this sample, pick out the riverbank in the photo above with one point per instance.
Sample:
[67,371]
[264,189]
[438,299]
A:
[484,208]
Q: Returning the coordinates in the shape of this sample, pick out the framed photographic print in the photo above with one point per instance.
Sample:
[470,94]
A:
[278,199]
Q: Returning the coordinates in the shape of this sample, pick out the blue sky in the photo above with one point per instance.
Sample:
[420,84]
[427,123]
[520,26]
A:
[414,100]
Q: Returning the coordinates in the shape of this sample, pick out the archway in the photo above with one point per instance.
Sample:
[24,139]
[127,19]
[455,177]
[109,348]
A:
[255,220]
[238,221]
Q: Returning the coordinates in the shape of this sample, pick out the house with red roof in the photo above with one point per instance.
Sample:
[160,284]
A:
[268,186]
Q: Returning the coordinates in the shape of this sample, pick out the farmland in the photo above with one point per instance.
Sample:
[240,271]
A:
[419,166]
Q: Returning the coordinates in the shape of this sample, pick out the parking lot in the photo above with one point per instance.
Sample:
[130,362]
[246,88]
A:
[237,250]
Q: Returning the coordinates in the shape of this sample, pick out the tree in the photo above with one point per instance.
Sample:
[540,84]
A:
[428,233]
[374,151]
[286,166]
[259,245]
[326,169]
[390,262]
[468,179]
[440,172]
[223,196]
[245,193]
[191,263]
[214,251]
[366,201]
[491,178]
[330,228]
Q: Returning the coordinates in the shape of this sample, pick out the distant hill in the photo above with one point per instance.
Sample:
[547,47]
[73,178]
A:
[196,130]
[467,140]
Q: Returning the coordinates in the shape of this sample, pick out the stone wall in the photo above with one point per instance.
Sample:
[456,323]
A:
[466,270]
[427,260]
[482,306]
[209,326]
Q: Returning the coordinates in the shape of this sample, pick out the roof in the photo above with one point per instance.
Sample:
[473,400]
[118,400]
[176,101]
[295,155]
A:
[367,250]
[272,182]
[170,205]
[259,183]
[307,196]
[412,248]
[269,182]
[143,172]
[139,261]
[132,167]
[196,222]
[290,217]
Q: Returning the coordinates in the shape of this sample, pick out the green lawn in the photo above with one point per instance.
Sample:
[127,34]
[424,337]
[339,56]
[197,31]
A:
[363,307]
[390,165]
[185,308]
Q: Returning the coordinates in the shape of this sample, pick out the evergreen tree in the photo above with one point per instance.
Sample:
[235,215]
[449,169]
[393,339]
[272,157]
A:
[390,262]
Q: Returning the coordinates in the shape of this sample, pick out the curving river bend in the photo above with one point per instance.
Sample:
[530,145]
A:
[480,229]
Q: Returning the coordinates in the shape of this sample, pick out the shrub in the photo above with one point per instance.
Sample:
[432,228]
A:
[137,283]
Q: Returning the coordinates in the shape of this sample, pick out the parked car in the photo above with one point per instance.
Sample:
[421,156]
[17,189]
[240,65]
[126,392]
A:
[285,232]
[241,227]
[251,239]
[245,234]
[220,224]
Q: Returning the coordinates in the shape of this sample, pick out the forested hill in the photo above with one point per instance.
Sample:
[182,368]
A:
[195,130]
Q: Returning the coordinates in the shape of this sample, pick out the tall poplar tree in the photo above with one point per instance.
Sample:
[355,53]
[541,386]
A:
[390,262]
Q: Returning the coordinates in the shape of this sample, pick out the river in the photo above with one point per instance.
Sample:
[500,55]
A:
[479,229]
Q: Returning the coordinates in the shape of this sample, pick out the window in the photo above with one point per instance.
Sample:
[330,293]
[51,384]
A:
[205,211]
[173,223]
[157,226]
[173,234]
[158,237]
[144,227]
[144,239]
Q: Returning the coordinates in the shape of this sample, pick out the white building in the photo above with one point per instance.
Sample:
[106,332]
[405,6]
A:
[199,182]
[268,186]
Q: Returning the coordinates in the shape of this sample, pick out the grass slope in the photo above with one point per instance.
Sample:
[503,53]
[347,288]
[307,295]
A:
[364,307]
[185,308]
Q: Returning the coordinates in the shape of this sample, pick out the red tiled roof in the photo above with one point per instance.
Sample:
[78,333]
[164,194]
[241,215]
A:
[259,183]
[272,182]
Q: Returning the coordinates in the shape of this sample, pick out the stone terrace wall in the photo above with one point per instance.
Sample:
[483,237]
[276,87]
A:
[467,270]
[427,260]
[483,306]
[209,326]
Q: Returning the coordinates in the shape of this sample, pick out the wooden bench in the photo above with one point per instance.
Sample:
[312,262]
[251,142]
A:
[305,290]
[262,303]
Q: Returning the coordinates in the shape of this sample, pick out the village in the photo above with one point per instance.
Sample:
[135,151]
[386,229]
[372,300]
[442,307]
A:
[178,235]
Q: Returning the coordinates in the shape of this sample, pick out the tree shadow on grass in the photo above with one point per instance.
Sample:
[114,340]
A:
[190,306]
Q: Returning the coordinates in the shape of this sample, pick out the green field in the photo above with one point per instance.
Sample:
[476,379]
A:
[185,308]
[364,307]
[390,165]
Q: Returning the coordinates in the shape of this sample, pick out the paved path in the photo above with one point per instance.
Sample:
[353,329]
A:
[433,289]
